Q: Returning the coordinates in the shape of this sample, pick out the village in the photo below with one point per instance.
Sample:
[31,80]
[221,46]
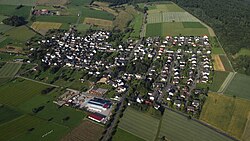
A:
[173,67]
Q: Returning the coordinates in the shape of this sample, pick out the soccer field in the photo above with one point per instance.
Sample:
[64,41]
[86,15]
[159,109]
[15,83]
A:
[176,127]
[139,124]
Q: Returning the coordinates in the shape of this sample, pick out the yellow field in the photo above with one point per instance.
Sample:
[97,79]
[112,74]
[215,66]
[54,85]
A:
[228,114]
[218,66]
[43,27]
[98,22]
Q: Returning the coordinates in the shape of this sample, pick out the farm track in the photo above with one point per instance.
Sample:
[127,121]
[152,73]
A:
[227,81]
[38,81]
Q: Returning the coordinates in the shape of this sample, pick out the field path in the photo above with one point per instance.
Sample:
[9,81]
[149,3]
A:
[227,81]
[38,82]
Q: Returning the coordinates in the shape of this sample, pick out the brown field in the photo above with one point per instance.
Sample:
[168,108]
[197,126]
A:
[218,66]
[12,49]
[87,131]
[98,22]
[43,27]
[51,2]
[104,6]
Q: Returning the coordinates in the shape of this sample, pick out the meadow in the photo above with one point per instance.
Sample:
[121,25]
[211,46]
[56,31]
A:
[122,135]
[98,22]
[86,131]
[176,127]
[218,79]
[231,117]
[8,114]
[43,27]
[18,2]
[139,124]
[15,92]
[239,86]
[82,27]
[226,63]
[167,7]
[21,33]
[136,24]
[10,10]
[92,13]
[9,69]
[57,19]
[4,28]
[243,51]
[28,128]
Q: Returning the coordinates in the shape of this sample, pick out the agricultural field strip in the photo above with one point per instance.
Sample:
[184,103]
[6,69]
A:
[170,17]
[227,81]
[9,69]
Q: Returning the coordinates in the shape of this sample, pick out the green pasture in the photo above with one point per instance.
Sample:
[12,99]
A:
[57,19]
[122,135]
[92,13]
[10,69]
[226,63]
[8,114]
[136,25]
[218,78]
[21,33]
[18,2]
[10,10]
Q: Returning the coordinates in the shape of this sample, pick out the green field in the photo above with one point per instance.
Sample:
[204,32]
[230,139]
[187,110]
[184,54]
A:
[92,13]
[2,18]
[243,51]
[139,124]
[10,10]
[52,111]
[57,19]
[176,127]
[18,91]
[193,25]
[226,63]
[10,69]
[21,33]
[18,2]
[173,29]
[226,113]
[122,135]
[4,28]
[28,128]
[136,25]
[239,86]
[8,114]
[218,79]
[82,27]
[80,2]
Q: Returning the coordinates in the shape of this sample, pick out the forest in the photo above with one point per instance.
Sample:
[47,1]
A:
[229,18]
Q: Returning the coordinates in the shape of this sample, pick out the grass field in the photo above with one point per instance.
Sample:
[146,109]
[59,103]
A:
[104,6]
[98,22]
[218,65]
[87,131]
[139,124]
[124,17]
[82,27]
[28,128]
[4,28]
[57,19]
[239,86]
[122,135]
[18,91]
[18,2]
[226,63]
[10,10]
[173,29]
[79,2]
[193,25]
[176,127]
[226,113]
[166,7]
[43,27]
[243,51]
[92,13]
[136,25]
[218,79]
[10,69]
[51,2]
[246,134]
[21,33]
[8,114]
[2,18]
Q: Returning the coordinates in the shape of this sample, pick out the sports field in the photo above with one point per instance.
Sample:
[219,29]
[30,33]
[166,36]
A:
[98,22]
[231,117]
[43,27]
[28,128]
[86,131]
[9,69]
[175,29]
[218,65]
[122,135]
[176,127]
[239,86]
[218,79]
[139,124]
[18,91]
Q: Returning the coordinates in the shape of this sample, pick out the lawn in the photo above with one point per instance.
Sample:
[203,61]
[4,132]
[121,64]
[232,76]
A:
[226,63]
[10,69]
[51,111]
[21,33]
[28,128]
[86,131]
[10,10]
[122,135]
[18,2]
[176,127]
[139,124]
[218,79]
[18,91]
[239,86]
[8,114]
[226,113]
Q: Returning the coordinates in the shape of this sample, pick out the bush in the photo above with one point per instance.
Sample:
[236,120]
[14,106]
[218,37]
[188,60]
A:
[15,21]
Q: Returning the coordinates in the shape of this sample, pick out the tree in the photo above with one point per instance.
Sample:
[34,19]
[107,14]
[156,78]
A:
[15,21]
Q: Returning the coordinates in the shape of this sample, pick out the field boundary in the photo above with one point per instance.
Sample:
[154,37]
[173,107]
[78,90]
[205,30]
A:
[226,82]
[204,124]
